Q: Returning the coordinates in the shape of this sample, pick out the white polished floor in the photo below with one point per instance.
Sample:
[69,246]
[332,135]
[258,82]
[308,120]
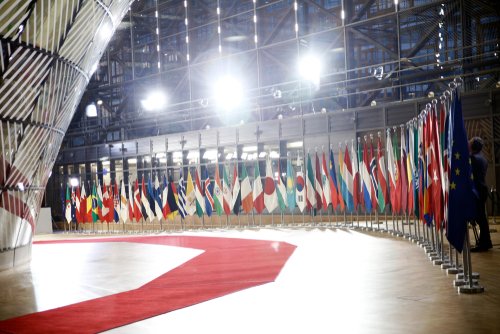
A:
[336,281]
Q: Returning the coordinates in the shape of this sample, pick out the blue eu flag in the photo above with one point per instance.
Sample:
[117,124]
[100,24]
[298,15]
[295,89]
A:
[461,207]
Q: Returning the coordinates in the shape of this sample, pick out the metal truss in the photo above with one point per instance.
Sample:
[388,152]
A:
[373,51]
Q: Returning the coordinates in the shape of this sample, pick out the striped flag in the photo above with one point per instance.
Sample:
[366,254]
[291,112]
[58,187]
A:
[131,212]
[182,196]
[190,196]
[123,203]
[218,196]
[327,192]
[373,176]
[172,199]
[310,191]
[116,203]
[146,207]
[88,215]
[83,204]
[334,189]
[349,181]
[67,211]
[246,191]
[403,175]
[165,209]
[342,184]
[258,192]
[95,206]
[270,196]
[290,186]
[137,202]
[391,166]
[226,191]
[78,213]
[318,187]
[410,171]
[236,196]
[357,192]
[281,190]
[99,201]
[365,180]
[157,199]
[200,200]
[382,178]
[209,200]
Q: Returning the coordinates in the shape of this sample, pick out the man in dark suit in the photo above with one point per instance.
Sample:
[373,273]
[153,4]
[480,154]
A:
[479,167]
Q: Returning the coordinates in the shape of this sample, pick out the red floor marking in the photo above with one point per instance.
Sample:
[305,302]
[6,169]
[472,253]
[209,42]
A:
[227,265]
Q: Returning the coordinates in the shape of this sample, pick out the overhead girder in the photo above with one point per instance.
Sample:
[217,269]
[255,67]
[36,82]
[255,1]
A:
[359,13]
[358,26]
[373,41]
[287,15]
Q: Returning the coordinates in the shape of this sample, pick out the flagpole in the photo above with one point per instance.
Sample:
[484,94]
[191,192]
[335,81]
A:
[385,217]
[440,253]
[469,283]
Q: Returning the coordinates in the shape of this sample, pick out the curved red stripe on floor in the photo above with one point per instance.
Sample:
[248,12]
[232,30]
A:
[227,265]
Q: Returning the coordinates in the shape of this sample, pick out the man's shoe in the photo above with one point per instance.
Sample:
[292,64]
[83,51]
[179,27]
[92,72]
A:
[478,249]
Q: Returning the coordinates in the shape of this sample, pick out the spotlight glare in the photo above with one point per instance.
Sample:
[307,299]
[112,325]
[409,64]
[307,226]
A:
[106,31]
[228,93]
[310,68]
[91,110]
[155,101]
[73,182]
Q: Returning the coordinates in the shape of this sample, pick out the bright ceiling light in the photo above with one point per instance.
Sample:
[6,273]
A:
[73,182]
[210,155]
[91,110]
[249,148]
[156,100]
[310,68]
[294,144]
[106,31]
[228,93]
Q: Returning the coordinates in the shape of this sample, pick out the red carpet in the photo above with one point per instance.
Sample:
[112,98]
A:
[226,266]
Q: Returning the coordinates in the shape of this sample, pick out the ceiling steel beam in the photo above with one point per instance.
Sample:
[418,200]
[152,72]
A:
[362,11]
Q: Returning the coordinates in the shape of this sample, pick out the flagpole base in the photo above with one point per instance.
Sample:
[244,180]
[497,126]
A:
[467,289]
[437,262]
[460,283]
[446,265]
[454,270]
[429,250]
[460,276]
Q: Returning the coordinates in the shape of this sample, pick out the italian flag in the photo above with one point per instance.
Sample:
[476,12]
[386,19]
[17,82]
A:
[246,191]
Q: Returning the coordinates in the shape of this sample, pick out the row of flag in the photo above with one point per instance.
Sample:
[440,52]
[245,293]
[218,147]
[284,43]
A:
[424,176]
